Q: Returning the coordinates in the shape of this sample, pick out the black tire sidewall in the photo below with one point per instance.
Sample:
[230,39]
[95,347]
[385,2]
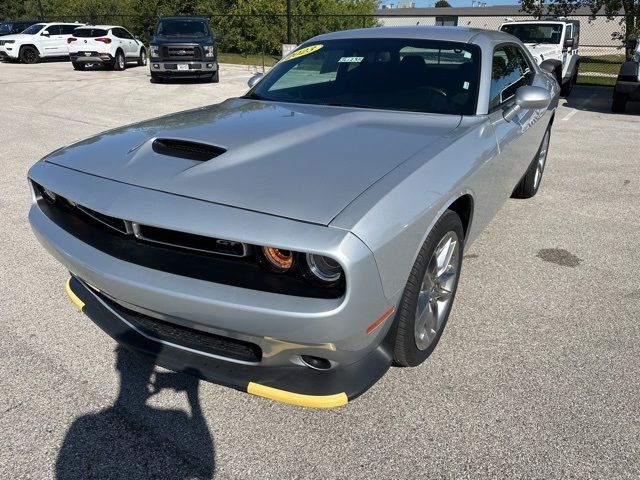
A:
[26,49]
[406,353]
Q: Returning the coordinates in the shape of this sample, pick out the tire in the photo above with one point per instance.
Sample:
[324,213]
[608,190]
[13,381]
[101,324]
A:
[119,62]
[29,55]
[567,87]
[619,104]
[142,59]
[78,65]
[156,79]
[418,330]
[530,182]
[215,78]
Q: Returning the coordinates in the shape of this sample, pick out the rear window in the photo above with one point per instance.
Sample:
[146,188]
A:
[89,32]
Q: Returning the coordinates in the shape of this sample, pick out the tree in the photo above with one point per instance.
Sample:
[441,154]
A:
[442,4]
[630,22]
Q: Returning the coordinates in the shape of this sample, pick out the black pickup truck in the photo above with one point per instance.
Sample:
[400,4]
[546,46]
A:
[183,47]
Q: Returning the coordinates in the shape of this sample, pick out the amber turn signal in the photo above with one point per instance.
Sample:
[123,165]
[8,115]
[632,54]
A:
[279,260]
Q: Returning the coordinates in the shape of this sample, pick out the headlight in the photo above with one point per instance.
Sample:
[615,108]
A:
[48,194]
[323,269]
[208,51]
[154,51]
[277,260]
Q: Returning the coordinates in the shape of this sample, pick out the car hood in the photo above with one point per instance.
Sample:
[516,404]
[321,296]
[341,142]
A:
[162,40]
[16,36]
[544,49]
[297,161]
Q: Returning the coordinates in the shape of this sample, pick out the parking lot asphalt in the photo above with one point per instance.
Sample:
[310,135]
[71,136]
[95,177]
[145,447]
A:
[537,374]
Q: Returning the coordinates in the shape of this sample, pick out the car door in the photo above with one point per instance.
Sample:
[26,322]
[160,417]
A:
[50,41]
[132,45]
[121,41]
[518,139]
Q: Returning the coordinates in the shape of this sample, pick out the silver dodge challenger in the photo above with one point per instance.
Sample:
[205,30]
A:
[296,242]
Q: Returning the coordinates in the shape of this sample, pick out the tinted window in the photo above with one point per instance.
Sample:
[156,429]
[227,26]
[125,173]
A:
[177,28]
[509,71]
[535,33]
[67,29]
[125,34]
[54,30]
[33,29]
[391,74]
[89,32]
[5,28]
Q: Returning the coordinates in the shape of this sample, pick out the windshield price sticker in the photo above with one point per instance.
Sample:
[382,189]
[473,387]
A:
[350,59]
[304,51]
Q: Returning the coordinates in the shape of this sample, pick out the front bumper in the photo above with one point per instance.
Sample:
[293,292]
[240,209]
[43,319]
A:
[285,327]
[192,69]
[8,53]
[289,384]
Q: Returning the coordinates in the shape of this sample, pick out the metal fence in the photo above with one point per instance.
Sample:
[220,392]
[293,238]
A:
[258,38]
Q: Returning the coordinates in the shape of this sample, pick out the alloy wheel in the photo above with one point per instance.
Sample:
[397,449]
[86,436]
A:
[436,290]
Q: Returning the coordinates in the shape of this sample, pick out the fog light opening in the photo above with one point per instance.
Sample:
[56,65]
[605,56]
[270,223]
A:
[316,363]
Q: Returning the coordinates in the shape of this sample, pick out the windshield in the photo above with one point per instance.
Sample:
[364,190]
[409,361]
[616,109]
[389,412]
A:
[391,74]
[89,32]
[186,28]
[33,29]
[535,33]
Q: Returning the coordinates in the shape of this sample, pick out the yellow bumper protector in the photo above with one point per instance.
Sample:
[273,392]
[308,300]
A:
[74,298]
[312,401]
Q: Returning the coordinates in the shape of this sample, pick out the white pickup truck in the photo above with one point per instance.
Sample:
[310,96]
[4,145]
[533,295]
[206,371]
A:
[553,41]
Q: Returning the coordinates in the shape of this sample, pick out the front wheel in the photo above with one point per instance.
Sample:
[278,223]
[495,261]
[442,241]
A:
[142,59]
[430,291]
[78,65]
[619,104]
[29,55]
[215,78]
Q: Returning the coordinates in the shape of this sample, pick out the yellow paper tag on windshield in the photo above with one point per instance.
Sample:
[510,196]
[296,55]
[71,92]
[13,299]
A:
[304,51]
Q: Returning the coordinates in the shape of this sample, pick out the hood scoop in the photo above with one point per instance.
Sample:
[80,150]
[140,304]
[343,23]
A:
[200,152]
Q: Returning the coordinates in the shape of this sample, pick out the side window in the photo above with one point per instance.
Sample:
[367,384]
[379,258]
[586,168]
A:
[68,29]
[118,32]
[54,30]
[507,75]
[126,34]
[525,66]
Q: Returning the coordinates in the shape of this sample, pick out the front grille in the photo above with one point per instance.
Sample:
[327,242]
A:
[189,241]
[182,52]
[188,337]
[115,223]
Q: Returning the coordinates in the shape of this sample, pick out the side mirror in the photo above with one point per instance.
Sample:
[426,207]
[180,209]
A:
[548,66]
[535,98]
[568,43]
[632,44]
[255,79]
[45,33]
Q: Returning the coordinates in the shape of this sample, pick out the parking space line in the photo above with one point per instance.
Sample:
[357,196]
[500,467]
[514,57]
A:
[577,109]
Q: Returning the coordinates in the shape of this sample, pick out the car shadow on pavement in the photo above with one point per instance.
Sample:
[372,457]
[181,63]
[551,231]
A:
[131,439]
[596,99]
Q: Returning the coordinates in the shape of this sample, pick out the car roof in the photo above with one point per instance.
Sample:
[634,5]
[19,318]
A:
[102,27]
[185,17]
[451,34]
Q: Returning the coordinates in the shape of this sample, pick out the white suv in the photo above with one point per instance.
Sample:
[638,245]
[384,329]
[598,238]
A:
[554,42]
[41,40]
[111,45]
